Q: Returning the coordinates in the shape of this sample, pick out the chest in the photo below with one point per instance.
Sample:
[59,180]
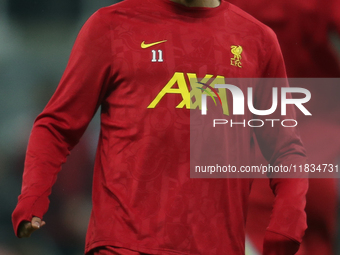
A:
[154,50]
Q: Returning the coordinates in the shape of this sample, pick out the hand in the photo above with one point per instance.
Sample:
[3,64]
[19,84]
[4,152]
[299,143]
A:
[26,228]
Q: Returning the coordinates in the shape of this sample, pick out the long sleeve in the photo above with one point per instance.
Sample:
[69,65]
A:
[59,127]
[282,146]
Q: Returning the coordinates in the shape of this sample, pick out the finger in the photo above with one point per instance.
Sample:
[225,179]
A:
[36,223]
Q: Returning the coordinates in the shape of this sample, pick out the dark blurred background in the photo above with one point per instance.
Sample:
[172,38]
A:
[36,38]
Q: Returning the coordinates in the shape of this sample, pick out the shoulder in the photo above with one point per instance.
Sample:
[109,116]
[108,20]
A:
[125,13]
[123,8]
[245,21]
[108,16]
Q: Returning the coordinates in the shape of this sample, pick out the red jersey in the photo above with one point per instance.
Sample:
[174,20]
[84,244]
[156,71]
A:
[143,196]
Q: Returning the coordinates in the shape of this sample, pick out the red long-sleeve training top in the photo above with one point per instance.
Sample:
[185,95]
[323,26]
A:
[137,60]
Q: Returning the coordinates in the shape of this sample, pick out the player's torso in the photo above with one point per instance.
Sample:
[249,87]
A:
[157,59]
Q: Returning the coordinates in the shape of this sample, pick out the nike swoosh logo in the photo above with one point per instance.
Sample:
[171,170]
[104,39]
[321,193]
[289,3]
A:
[144,45]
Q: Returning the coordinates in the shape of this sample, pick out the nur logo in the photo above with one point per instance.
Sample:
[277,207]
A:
[239,100]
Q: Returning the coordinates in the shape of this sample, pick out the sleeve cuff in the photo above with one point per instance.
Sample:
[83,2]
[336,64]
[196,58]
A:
[27,208]
[276,244]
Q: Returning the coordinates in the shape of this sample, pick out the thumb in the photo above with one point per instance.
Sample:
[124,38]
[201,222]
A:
[36,223]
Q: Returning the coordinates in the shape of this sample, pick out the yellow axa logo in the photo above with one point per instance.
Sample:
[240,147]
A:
[193,99]
[236,60]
